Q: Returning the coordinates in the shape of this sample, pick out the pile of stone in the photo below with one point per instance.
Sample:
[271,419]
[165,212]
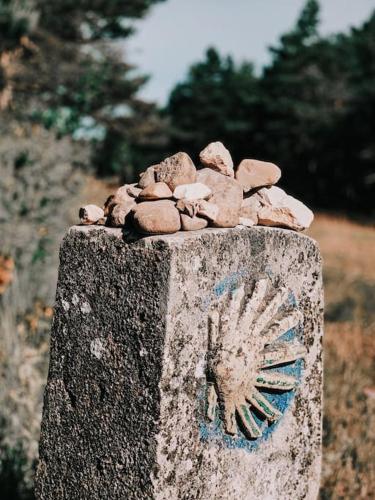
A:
[174,195]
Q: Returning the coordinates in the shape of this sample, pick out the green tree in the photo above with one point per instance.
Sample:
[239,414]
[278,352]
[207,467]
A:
[311,111]
[213,103]
[65,70]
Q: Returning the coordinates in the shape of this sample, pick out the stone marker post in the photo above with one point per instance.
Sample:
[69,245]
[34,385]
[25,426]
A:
[184,367]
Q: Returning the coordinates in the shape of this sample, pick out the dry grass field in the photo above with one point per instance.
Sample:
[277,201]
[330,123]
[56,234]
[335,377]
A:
[349,413]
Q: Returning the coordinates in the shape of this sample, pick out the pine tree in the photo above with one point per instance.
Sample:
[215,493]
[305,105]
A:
[213,103]
[64,70]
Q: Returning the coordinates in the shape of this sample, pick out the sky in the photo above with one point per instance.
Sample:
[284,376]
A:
[176,33]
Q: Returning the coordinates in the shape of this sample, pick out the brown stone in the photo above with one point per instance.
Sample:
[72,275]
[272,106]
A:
[176,170]
[119,213]
[146,178]
[157,191]
[120,197]
[254,173]
[227,195]
[192,223]
[157,217]
[217,157]
[250,208]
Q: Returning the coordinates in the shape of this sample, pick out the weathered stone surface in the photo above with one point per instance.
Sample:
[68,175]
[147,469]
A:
[119,213]
[157,191]
[283,210]
[90,214]
[254,173]
[227,195]
[192,223]
[175,170]
[217,157]
[157,217]
[191,192]
[147,177]
[125,408]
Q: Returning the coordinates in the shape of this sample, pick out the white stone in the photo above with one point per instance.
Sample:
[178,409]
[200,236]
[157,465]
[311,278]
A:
[273,196]
[280,209]
[191,192]
[90,214]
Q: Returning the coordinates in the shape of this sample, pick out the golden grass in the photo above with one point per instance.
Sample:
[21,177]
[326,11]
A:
[349,350]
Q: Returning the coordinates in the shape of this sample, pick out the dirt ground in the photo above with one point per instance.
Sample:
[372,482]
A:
[349,411]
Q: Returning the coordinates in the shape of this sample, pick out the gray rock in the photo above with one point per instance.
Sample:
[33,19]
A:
[125,407]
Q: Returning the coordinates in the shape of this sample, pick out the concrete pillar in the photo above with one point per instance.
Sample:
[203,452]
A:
[184,367]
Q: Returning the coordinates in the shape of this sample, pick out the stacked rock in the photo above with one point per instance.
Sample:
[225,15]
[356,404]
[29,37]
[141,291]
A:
[174,196]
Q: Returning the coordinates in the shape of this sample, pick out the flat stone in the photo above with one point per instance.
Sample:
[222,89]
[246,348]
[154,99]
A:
[125,407]
[196,191]
[192,223]
[176,170]
[119,213]
[227,195]
[254,173]
[283,210]
[90,214]
[157,191]
[250,208]
[147,178]
[217,157]
[157,217]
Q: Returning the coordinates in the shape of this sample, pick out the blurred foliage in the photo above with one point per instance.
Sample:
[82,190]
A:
[312,110]
[39,184]
[61,66]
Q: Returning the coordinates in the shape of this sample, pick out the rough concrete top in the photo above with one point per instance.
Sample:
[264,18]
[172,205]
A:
[182,237]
